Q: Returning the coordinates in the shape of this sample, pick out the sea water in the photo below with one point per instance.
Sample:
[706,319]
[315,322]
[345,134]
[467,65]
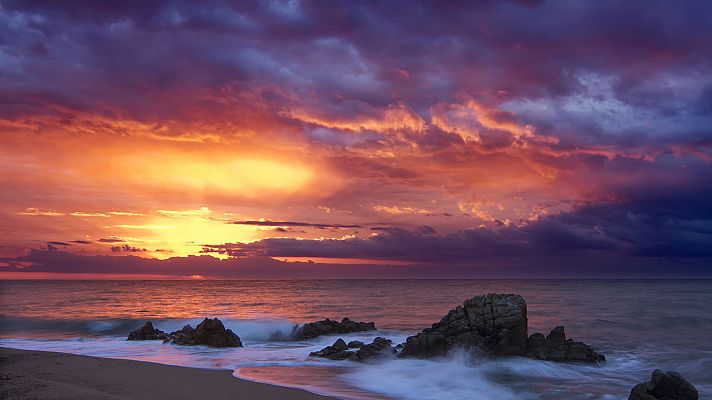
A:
[639,325]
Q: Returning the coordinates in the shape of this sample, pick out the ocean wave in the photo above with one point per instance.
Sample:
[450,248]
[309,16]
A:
[250,329]
[414,379]
[461,375]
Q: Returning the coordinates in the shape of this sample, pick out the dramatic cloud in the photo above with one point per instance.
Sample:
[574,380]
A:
[293,223]
[336,130]
[655,224]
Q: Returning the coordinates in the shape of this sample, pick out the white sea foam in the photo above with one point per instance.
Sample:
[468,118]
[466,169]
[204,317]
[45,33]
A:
[457,376]
[413,379]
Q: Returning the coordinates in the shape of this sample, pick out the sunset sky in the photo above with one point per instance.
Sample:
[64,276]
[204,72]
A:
[519,138]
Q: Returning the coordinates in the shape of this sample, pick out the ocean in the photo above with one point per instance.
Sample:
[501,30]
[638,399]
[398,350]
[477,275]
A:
[639,325]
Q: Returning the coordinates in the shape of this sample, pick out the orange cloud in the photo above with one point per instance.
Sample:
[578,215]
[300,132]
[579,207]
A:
[392,118]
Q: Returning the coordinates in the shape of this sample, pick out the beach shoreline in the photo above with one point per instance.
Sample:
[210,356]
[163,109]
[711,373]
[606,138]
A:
[49,375]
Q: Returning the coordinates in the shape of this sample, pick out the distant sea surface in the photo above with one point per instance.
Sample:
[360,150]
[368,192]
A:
[639,325]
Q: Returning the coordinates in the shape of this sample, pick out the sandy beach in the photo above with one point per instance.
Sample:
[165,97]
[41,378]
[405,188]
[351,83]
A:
[47,375]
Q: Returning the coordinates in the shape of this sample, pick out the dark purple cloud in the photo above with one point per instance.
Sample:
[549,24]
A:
[667,223]
[645,55]
[597,266]
[127,248]
[110,240]
[59,243]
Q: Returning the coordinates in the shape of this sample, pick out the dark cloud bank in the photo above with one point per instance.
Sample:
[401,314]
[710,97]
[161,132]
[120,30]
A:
[662,232]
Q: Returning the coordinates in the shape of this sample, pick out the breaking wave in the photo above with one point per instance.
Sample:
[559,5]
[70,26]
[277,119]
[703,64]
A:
[250,329]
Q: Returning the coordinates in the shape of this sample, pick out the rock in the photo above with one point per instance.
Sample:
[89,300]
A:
[340,345]
[147,332]
[555,347]
[664,386]
[330,327]
[210,332]
[355,344]
[213,333]
[337,351]
[494,323]
[379,347]
[340,350]
[536,346]
[184,336]
[425,345]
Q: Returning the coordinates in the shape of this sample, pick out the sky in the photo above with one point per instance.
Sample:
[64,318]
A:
[349,138]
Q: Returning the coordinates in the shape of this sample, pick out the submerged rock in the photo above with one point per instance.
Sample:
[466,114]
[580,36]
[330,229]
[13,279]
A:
[664,386]
[340,350]
[379,347]
[330,327]
[279,336]
[337,351]
[210,332]
[147,332]
[555,347]
[496,325]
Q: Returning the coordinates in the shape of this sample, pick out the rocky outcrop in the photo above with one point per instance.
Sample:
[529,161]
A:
[340,350]
[147,332]
[496,325]
[555,347]
[355,344]
[210,332]
[330,327]
[664,386]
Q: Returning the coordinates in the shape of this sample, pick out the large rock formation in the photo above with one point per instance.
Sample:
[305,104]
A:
[147,332]
[664,386]
[210,332]
[330,327]
[495,324]
[555,347]
[340,350]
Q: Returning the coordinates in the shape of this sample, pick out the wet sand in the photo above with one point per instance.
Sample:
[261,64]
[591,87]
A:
[46,375]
